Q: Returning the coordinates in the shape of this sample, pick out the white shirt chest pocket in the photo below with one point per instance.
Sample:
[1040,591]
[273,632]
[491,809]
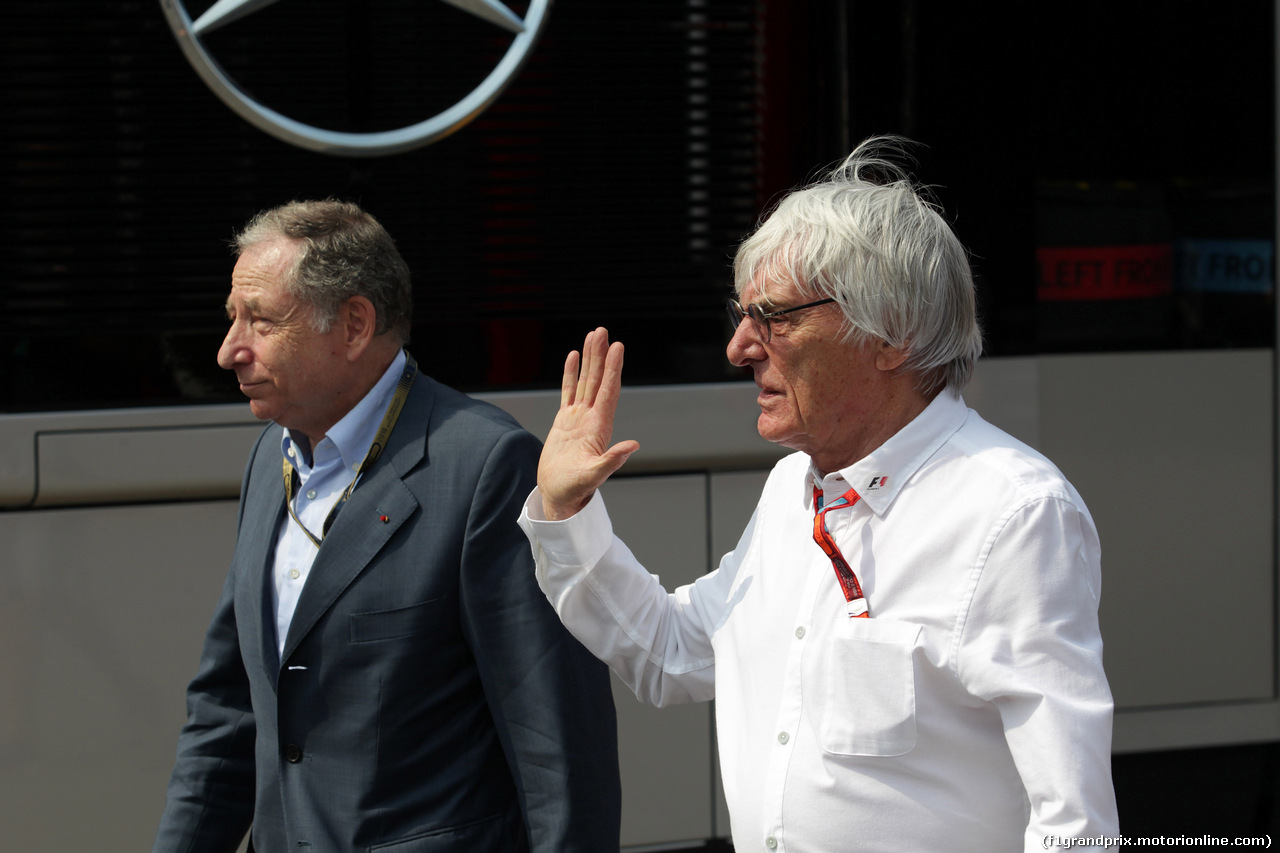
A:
[867,689]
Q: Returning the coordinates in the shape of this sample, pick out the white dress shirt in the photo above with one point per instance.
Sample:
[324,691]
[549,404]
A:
[323,477]
[969,713]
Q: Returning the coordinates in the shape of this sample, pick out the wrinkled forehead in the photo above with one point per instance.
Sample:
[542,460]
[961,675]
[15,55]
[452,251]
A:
[768,288]
[260,274]
[274,254]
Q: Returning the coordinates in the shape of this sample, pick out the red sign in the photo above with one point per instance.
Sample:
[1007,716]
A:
[1104,272]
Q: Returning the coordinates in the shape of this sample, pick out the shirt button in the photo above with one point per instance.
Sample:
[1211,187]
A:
[293,753]
[800,633]
[311,494]
[294,573]
[783,737]
[771,843]
[291,453]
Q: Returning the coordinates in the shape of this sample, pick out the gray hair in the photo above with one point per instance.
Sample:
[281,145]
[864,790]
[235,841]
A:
[870,237]
[343,252]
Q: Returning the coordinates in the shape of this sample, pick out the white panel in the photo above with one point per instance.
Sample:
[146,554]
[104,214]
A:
[102,610]
[734,496]
[1006,392]
[102,614]
[666,753]
[1196,726]
[1173,454]
[103,466]
[694,427]
[19,439]
[122,455]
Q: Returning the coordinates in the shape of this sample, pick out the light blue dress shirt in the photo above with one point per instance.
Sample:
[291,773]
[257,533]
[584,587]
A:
[332,465]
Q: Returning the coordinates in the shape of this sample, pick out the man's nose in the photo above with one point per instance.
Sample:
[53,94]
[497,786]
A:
[233,350]
[745,346]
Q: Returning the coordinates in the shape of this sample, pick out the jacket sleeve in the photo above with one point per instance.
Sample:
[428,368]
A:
[209,805]
[550,698]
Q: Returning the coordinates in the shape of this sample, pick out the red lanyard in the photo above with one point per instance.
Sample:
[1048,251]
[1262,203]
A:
[857,602]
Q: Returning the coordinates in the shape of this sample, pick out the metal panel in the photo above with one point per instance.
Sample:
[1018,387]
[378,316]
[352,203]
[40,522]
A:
[696,427]
[102,610]
[734,496]
[102,614]
[106,466]
[1173,453]
[1006,392]
[666,753]
[20,473]
[130,455]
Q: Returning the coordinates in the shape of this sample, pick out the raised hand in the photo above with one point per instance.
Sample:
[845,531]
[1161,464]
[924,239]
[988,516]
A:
[576,458]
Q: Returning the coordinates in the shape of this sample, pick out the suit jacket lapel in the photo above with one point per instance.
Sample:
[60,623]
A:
[359,532]
[260,521]
[261,515]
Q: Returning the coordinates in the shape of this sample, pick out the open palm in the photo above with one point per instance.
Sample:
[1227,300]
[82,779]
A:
[577,458]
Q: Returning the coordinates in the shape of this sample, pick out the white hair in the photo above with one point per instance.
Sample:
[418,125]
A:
[869,236]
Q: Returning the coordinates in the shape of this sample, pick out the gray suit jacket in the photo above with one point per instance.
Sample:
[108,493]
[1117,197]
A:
[428,699]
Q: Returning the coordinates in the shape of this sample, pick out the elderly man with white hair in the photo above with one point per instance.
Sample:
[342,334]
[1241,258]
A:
[904,646]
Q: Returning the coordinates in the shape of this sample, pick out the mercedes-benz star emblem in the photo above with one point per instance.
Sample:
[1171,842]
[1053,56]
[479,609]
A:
[372,144]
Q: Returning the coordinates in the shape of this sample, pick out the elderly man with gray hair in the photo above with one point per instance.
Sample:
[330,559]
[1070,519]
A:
[380,672]
[904,646]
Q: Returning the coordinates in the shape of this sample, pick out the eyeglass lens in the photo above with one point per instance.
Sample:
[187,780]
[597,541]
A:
[753,313]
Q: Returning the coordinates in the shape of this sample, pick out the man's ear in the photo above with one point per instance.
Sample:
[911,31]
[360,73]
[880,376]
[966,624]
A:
[359,325]
[889,357]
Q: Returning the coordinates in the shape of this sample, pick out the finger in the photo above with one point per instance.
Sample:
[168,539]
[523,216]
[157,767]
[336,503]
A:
[584,369]
[593,366]
[569,382]
[611,378]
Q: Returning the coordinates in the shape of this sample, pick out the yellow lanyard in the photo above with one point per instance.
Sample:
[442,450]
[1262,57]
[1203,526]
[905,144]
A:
[379,442]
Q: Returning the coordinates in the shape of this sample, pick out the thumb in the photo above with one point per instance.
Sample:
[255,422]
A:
[615,457]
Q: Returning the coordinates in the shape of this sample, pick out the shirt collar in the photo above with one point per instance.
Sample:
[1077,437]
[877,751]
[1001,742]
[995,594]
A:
[353,435]
[879,475]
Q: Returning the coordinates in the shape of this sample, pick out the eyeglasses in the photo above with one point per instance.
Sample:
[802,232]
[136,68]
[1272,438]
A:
[760,318]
